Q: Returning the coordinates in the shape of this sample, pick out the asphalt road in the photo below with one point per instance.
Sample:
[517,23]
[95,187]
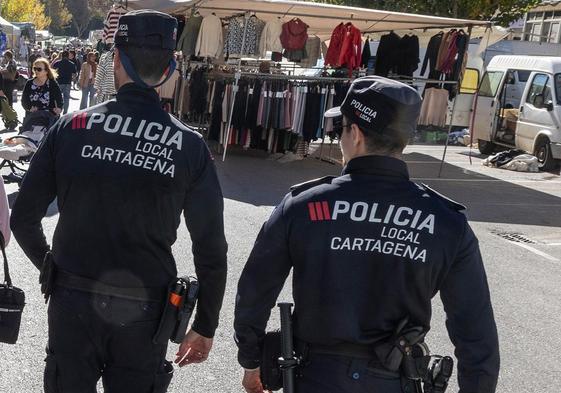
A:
[523,276]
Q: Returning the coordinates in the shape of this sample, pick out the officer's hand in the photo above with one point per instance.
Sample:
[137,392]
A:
[252,382]
[194,349]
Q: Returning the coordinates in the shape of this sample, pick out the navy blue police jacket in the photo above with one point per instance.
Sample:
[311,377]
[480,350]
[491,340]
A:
[122,173]
[368,249]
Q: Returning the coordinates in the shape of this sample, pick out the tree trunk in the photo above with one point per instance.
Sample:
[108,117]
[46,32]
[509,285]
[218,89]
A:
[454,8]
[79,28]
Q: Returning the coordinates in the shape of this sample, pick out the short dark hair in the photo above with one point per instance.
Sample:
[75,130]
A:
[149,63]
[65,54]
[9,54]
[386,142]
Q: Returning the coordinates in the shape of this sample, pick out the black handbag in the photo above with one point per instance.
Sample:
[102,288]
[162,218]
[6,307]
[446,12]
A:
[12,300]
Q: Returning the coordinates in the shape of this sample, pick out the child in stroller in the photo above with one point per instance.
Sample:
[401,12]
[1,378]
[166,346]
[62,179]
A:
[17,151]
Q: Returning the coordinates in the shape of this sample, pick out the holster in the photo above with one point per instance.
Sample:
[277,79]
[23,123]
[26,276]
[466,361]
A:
[407,353]
[47,276]
[180,303]
[271,373]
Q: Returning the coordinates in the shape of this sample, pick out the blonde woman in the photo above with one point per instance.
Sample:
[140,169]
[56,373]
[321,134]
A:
[42,92]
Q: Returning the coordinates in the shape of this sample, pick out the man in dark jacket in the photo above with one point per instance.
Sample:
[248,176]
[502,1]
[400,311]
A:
[66,70]
[122,173]
[74,59]
[368,251]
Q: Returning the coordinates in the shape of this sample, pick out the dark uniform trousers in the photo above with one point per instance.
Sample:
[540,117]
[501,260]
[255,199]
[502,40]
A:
[94,336]
[341,374]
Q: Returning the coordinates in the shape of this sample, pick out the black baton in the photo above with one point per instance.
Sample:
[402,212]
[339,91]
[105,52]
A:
[288,361]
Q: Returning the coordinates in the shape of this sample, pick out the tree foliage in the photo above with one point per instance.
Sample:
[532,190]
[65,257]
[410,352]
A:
[85,12]
[58,13]
[26,11]
[81,15]
[500,11]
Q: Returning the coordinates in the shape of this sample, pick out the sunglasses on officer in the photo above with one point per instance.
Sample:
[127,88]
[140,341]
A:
[339,126]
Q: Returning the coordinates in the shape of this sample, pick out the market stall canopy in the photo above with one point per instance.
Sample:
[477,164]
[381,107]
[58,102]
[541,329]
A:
[319,16]
[7,27]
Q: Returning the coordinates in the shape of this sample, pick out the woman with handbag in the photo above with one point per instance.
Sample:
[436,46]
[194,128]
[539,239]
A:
[12,299]
[87,80]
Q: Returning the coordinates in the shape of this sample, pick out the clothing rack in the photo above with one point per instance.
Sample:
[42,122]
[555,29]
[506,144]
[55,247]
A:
[260,76]
[235,12]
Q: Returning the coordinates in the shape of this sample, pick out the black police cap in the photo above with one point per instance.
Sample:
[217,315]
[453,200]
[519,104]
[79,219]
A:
[381,105]
[148,29]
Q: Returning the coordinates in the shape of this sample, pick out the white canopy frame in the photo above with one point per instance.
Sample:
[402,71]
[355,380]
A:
[320,18]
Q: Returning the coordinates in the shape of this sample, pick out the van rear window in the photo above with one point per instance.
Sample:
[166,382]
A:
[490,83]
[523,76]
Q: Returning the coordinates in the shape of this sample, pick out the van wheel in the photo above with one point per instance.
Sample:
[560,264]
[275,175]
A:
[485,147]
[543,153]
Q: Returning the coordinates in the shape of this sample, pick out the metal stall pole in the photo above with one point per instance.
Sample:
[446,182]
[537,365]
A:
[459,85]
[236,87]
[472,117]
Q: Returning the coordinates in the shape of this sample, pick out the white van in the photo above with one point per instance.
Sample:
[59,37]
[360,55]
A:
[518,105]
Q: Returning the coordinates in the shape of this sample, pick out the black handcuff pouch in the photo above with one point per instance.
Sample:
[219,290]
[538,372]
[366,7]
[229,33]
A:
[271,373]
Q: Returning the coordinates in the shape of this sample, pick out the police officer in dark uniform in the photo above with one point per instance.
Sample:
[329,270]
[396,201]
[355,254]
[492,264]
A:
[122,173]
[368,251]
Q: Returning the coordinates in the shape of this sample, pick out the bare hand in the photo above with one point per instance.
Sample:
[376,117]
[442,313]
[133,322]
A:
[33,109]
[194,349]
[252,382]
[57,111]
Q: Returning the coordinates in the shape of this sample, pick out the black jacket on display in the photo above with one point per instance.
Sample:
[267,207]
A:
[386,56]
[431,56]
[408,58]
[368,249]
[122,173]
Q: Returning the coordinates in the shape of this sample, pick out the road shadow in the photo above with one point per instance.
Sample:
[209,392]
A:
[51,211]
[253,179]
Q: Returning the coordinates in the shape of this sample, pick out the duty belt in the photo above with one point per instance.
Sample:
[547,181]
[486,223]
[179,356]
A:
[72,281]
[343,349]
[356,351]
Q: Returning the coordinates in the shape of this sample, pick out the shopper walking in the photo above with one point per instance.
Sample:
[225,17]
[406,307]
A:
[42,92]
[77,63]
[66,70]
[87,79]
[9,76]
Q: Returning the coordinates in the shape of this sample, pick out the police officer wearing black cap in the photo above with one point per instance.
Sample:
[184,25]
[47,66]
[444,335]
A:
[368,251]
[122,173]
